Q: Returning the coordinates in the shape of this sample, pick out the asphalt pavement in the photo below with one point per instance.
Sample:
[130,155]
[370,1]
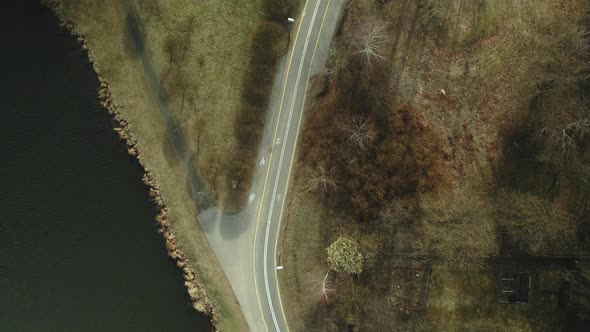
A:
[246,243]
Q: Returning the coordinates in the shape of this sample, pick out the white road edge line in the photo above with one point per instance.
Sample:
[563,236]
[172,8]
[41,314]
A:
[293,98]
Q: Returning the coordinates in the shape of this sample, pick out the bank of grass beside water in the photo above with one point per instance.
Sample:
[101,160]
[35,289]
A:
[197,53]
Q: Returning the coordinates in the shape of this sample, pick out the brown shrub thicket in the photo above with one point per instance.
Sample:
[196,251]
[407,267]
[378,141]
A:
[536,225]
[561,122]
[568,60]
[391,163]
[457,227]
[321,180]
[373,164]
[560,111]
[376,154]
[552,157]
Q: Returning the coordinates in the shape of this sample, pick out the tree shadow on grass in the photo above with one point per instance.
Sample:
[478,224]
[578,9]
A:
[176,150]
[135,36]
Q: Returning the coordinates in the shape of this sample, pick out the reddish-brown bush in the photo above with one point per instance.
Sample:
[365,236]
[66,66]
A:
[406,157]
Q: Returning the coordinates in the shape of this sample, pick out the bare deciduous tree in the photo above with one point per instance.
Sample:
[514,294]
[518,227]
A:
[564,137]
[321,180]
[368,42]
[535,224]
[362,133]
[322,288]
[572,127]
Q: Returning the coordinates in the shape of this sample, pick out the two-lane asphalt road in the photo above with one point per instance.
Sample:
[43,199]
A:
[245,243]
[280,159]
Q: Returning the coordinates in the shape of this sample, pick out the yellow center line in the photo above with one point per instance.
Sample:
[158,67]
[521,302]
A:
[269,163]
[293,153]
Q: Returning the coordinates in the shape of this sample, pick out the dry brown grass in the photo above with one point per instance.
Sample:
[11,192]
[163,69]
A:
[197,52]
[487,83]
[467,302]
[303,257]
[458,227]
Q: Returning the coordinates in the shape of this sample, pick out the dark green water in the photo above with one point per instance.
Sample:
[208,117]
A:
[78,246]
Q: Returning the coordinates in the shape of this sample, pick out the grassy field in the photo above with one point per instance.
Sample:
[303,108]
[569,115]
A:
[466,301]
[302,246]
[412,136]
[175,70]
[488,61]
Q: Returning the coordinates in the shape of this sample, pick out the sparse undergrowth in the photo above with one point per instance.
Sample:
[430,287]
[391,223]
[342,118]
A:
[449,132]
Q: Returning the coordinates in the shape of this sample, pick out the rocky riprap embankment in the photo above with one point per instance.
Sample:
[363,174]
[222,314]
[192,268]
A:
[192,281]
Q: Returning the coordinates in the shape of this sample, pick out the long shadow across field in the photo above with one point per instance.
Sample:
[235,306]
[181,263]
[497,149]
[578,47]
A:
[175,145]
[176,149]
[408,20]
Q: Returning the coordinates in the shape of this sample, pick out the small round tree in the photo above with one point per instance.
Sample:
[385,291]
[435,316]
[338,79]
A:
[344,256]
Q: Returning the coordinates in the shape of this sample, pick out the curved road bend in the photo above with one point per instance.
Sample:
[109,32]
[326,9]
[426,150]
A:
[245,243]
[279,162]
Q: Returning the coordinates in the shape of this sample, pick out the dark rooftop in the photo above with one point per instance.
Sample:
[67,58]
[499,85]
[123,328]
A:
[513,288]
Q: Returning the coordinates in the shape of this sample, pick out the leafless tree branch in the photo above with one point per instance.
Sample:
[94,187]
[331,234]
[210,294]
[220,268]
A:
[369,41]
[321,180]
[362,133]
[566,136]
[322,288]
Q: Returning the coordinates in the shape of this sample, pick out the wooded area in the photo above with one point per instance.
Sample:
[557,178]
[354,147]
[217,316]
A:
[443,136]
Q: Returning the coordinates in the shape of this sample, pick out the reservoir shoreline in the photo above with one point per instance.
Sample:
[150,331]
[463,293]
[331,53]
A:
[192,280]
[81,251]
